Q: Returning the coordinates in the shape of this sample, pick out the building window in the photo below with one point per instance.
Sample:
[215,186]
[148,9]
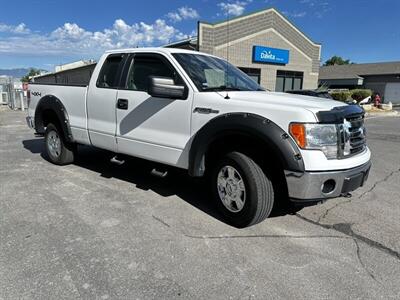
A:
[288,80]
[253,73]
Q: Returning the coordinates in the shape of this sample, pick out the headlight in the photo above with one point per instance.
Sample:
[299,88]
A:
[321,137]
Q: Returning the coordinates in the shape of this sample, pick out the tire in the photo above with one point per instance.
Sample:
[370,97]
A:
[58,151]
[236,176]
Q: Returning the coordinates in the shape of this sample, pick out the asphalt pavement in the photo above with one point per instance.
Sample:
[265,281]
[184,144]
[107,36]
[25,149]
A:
[94,230]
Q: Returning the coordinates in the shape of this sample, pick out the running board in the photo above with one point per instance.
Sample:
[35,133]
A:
[159,173]
[116,160]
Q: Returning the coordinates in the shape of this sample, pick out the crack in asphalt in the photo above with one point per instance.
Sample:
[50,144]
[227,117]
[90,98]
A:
[215,237]
[325,214]
[358,252]
[386,178]
[161,221]
[346,229]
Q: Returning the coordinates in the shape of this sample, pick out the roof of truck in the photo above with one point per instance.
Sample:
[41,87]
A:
[154,49]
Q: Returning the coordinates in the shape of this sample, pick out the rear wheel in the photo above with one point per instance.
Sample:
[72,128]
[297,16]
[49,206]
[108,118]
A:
[243,192]
[58,151]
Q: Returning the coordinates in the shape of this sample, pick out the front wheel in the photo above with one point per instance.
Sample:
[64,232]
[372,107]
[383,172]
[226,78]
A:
[58,151]
[243,192]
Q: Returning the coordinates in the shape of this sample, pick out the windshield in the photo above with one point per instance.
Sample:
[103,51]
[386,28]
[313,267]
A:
[213,74]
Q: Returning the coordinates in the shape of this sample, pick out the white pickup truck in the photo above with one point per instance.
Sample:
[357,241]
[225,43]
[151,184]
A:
[198,112]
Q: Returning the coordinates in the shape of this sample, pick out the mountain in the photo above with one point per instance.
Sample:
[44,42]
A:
[16,73]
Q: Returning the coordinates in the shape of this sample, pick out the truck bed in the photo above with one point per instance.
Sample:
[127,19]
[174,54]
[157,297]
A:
[78,76]
[73,99]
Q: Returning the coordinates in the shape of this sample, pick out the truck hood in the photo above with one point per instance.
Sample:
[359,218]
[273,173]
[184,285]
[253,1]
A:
[313,104]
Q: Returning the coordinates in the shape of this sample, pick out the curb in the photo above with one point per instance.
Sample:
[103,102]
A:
[392,113]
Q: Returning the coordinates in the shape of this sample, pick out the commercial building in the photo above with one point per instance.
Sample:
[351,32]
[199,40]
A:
[382,78]
[263,44]
[5,88]
[12,93]
[74,65]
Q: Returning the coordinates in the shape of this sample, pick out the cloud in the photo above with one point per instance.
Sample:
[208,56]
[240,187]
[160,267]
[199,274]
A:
[70,31]
[295,14]
[174,16]
[18,29]
[183,13]
[233,8]
[188,13]
[317,8]
[71,39]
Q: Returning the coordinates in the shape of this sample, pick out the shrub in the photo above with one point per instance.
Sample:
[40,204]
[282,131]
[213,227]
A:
[360,94]
[341,96]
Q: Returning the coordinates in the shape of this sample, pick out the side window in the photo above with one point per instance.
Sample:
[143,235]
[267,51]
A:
[109,72]
[144,66]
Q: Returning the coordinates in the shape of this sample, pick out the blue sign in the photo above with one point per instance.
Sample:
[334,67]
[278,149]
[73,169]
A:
[270,55]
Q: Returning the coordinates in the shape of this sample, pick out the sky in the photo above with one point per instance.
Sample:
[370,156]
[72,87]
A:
[45,33]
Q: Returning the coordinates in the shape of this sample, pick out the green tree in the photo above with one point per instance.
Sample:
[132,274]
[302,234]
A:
[337,60]
[32,72]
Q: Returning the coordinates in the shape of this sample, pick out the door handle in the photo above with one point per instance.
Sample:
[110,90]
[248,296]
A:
[122,104]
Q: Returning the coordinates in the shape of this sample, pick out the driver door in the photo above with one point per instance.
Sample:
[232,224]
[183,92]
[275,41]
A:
[151,127]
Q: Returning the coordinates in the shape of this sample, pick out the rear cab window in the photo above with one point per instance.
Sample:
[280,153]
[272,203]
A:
[109,76]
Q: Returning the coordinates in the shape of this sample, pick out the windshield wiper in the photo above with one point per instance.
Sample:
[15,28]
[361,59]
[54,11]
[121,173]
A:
[220,88]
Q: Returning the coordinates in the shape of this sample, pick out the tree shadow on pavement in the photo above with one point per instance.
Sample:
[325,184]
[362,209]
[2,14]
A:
[138,171]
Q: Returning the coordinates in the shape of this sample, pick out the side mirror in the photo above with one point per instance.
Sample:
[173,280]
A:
[165,87]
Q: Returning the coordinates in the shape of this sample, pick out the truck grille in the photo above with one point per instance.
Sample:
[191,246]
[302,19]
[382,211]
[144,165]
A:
[352,136]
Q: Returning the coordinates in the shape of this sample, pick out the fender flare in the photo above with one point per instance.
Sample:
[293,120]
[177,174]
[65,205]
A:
[50,102]
[280,143]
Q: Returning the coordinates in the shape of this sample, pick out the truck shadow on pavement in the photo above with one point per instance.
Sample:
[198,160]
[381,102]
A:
[138,172]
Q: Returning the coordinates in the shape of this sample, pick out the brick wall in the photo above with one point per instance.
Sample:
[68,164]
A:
[269,29]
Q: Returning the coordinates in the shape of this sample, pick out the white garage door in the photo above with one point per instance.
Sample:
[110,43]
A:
[392,92]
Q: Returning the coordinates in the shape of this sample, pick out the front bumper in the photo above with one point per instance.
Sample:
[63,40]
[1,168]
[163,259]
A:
[319,186]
